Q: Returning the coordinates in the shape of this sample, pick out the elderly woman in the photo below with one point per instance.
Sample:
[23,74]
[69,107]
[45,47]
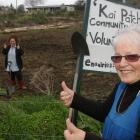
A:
[121,111]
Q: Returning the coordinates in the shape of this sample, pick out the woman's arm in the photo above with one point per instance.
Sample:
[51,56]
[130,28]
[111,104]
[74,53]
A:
[5,51]
[20,51]
[95,109]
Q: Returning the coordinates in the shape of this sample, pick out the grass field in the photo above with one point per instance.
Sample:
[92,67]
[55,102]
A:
[37,118]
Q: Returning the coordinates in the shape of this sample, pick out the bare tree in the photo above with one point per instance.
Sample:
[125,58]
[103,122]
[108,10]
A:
[20,8]
[33,3]
[80,4]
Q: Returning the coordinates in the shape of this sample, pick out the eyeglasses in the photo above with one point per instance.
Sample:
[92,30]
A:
[129,58]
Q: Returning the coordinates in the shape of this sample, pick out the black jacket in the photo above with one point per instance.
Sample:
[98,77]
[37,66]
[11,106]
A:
[19,53]
[99,110]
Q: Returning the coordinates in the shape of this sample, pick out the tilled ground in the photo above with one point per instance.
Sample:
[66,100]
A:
[52,48]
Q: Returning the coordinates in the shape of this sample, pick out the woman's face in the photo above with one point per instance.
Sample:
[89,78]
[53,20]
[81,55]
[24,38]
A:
[12,42]
[129,72]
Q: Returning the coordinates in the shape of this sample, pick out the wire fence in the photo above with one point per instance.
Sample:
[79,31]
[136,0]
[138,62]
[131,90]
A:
[38,118]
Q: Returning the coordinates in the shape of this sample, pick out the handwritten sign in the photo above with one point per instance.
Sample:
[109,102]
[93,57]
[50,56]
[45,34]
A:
[105,20]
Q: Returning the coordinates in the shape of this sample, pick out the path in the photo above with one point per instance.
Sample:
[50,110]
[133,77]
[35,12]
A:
[38,27]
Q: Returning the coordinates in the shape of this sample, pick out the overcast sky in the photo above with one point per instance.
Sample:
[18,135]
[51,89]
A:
[48,2]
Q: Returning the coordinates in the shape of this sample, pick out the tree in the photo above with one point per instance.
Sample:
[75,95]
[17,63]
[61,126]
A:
[135,2]
[128,2]
[11,6]
[33,3]
[21,8]
[80,4]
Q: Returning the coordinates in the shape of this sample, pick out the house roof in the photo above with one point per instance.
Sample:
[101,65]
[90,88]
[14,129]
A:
[60,2]
[43,6]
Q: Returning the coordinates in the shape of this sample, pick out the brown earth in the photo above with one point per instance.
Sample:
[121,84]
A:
[52,48]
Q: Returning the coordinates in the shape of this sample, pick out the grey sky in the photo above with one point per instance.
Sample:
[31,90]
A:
[48,2]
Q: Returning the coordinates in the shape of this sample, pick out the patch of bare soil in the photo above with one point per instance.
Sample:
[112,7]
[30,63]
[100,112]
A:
[52,48]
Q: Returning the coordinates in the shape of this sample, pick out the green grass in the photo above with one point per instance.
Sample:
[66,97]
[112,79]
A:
[32,118]
[37,118]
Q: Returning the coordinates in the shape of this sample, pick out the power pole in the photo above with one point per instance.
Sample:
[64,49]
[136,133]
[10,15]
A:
[16,6]
[123,1]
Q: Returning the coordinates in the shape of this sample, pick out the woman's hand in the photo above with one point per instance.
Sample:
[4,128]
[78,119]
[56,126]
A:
[72,132]
[18,47]
[66,95]
[5,46]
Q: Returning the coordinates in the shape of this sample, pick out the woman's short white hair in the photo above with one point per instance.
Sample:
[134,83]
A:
[132,33]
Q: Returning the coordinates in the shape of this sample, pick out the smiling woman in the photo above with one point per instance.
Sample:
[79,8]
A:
[127,52]
[120,111]
[13,53]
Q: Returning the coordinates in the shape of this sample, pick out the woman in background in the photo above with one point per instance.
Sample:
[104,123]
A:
[13,61]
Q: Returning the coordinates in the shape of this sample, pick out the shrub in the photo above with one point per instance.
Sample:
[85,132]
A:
[43,80]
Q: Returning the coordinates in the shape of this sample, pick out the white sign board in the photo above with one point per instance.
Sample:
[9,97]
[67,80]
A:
[104,22]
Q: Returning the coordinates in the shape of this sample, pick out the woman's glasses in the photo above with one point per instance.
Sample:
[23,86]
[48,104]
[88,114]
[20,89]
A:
[129,58]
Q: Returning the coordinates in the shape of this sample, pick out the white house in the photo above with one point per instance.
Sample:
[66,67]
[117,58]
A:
[68,8]
[51,8]
[45,9]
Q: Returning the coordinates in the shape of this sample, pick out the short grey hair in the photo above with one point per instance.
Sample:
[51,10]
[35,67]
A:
[132,33]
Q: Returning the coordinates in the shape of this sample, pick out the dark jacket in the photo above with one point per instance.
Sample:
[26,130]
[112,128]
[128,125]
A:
[100,110]
[19,53]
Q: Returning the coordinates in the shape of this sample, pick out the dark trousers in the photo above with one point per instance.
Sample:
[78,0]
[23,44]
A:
[17,75]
